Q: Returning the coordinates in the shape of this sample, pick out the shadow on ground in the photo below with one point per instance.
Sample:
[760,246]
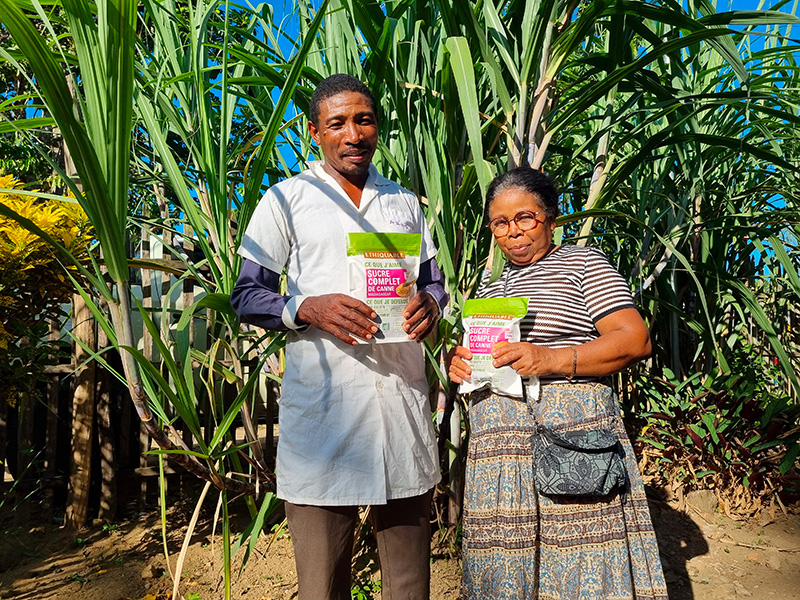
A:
[679,540]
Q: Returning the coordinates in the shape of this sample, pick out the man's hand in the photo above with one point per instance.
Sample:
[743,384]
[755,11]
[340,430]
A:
[420,315]
[340,315]
[457,365]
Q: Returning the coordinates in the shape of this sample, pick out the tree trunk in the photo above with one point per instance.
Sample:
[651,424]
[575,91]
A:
[82,418]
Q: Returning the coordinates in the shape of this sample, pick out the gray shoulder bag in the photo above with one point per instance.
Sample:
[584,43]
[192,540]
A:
[577,463]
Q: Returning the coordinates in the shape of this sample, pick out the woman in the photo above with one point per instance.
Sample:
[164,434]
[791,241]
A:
[581,326]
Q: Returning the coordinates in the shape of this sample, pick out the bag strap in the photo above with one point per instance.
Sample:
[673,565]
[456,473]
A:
[558,440]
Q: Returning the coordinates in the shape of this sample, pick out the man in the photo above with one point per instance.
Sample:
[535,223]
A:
[355,423]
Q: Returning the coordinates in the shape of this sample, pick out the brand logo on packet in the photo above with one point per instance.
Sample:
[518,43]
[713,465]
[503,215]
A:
[369,254]
[498,317]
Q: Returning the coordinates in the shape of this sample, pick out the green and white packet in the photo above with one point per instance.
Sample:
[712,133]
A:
[488,322]
[383,270]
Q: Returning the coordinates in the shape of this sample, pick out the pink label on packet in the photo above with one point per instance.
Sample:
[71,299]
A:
[483,339]
[383,283]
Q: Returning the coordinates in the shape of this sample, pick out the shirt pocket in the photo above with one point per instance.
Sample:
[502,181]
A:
[398,217]
[321,363]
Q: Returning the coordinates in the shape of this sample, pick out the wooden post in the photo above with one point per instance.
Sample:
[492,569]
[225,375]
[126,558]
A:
[105,434]
[270,404]
[455,471]
[208,426]
[188,300]
[82,416]
[163,296]
[24,457]
[51,431]
[258,402]
[124,441]
[227,393]
[147,350]
[3,438]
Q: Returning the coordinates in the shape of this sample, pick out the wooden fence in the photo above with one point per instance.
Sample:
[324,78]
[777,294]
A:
[78,451]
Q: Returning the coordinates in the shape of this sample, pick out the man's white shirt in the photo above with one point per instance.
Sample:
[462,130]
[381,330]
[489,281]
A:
[354,421]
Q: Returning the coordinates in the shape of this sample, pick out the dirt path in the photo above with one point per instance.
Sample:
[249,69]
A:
[711,556]
[706,557]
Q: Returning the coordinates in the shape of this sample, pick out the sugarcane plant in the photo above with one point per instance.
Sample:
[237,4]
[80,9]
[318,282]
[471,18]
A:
[669,127]
[154,109]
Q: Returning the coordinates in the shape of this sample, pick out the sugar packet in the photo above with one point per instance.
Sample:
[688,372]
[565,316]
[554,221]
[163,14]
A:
[487,323]
[383,269]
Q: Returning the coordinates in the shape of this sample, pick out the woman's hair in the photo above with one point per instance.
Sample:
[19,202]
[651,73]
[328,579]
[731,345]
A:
[528,180]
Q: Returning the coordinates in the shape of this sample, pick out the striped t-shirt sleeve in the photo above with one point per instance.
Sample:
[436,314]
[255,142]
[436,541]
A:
[604,290]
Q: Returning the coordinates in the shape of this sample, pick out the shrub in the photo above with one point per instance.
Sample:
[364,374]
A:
[33,282]
[736,434]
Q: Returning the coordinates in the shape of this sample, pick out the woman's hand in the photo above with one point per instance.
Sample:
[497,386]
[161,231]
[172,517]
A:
[526,358]
[624,339]
[456,363]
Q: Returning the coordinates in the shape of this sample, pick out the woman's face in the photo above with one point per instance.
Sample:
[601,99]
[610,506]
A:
[521,247]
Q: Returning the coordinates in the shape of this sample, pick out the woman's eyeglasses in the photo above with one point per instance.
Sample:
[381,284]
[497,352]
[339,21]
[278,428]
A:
[525,221]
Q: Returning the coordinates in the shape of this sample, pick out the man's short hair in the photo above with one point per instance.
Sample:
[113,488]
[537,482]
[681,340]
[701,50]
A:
[337,84]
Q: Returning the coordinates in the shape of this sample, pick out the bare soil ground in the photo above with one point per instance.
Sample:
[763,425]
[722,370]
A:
[706,556]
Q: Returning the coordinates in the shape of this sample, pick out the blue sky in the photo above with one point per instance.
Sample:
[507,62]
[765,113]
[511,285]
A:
[283,8]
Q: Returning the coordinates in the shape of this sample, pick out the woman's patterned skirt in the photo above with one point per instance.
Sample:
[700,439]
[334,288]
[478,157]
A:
[520,545]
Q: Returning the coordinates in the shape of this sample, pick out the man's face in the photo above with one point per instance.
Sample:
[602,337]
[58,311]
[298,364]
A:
[347,133]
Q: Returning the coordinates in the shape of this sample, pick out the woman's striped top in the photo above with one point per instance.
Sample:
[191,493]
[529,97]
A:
[570,289]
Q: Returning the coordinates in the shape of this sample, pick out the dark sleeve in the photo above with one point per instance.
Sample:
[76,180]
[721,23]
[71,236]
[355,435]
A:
[431,280]
[255,297]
